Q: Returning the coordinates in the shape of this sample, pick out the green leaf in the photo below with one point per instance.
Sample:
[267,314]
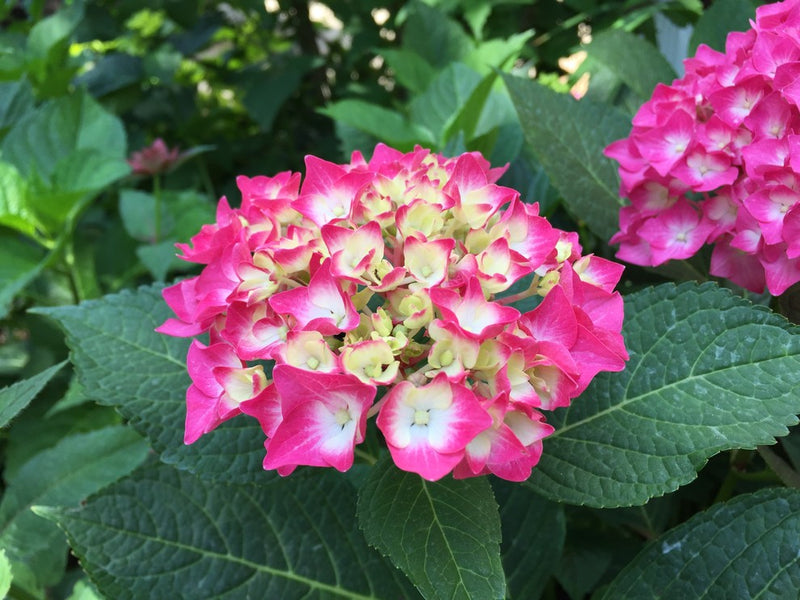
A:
[5,574]
[15,398]
[48,32]
[61,476]
[15,207]
[111,72]
[163,533]
[441,104]
[121,361]
[69,148]
[444,535]
[159,258]
[16,100]
[190,211]
[20,262]
[719,19]
[35,430]
[744,548]
[568,137]
[266,89]
[88,169]
[636,62]
[410,69]
[138,211]
[43,138]
[386,125]
[534,530]
[708,372]
[433,36]
[499,53]
[84,590]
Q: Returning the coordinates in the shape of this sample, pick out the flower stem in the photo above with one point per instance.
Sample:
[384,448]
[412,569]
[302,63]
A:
[365,456]
[788,475]
[157,208]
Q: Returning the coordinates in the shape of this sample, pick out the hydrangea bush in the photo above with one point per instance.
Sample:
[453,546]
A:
[408,318]
[383,287]
[714,158]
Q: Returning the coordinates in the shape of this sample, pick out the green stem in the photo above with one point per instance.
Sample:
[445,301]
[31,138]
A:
[788,475]
[366,456]
[72,271]
[157,208]
[739,459]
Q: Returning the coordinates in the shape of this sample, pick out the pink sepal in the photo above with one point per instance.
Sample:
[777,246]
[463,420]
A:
[324,417]
[427,428]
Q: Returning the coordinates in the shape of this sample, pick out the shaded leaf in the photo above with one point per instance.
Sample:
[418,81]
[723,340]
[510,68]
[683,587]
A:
[432,35]
[54,29]
[58,128]
[718,20]
[20,263]
[138,211]
[533,538]
[386,125]
[748,547]
[16,100]
[159,258]
[410,69]
[442,102]
[568,137]
[15,398]
[708,372]
[64,475]
[266,89]
[636,62]
[122,362]
[444,535]
[163,533]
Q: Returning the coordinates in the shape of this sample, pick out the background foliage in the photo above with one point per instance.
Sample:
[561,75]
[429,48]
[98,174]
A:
[649,473]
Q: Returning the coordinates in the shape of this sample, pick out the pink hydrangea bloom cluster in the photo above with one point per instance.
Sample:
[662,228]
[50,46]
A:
[381,288]
[715,158]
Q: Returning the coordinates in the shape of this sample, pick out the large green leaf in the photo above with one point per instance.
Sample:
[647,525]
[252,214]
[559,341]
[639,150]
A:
[64,475]
[16,397]
[410,69]
[718,20]
[164,533]
[708,372]
[54,29]
[69,148]
[431,34]
[636,62]
[58,128]
[20,262]
[533,537]
[498,53]
[439,106]
[567,137]
[444,535]
[387,125]
[745,548]
[266,89]
[16,100]
[121,361]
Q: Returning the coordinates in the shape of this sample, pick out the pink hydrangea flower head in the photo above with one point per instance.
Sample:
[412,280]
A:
[381,293]
[713,159]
